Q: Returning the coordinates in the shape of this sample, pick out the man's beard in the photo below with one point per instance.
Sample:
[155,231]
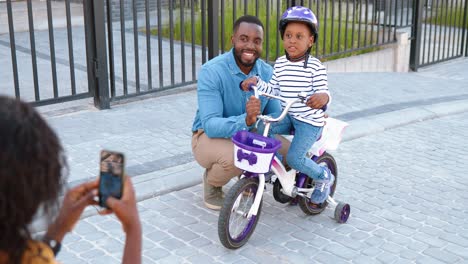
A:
[238,57]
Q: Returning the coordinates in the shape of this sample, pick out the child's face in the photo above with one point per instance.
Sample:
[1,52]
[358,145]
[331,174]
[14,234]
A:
[297,39]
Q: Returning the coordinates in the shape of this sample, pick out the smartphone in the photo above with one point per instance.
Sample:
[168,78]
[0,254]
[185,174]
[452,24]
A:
[111,175]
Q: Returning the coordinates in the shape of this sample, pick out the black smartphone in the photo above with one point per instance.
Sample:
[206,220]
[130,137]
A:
[111,175]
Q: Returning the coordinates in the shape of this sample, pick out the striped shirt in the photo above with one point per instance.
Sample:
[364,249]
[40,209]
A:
[290,78]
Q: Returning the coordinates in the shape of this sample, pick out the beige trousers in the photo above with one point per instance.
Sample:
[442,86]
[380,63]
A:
[216,155]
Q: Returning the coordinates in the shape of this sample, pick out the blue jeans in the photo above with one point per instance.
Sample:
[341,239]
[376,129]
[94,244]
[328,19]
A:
[305,136]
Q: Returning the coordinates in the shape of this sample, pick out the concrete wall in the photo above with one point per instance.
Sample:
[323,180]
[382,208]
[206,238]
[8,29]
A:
[392,58]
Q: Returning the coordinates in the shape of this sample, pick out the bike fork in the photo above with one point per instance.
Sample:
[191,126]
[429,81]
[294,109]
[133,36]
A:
[258,197]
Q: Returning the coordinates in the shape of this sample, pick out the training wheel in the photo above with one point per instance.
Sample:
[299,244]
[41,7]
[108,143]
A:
[342,211]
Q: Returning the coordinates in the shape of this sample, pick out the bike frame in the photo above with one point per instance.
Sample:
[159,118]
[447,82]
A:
[286,178]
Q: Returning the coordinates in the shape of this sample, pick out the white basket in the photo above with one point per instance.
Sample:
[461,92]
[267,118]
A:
[254,152]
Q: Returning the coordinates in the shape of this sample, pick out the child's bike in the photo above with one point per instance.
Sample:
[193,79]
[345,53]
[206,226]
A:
[255,155]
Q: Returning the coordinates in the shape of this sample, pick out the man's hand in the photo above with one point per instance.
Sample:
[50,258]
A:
[252,109]
[317,100]
[248,82]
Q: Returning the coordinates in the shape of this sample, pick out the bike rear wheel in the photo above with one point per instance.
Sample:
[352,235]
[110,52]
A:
[234,228]
[304,203]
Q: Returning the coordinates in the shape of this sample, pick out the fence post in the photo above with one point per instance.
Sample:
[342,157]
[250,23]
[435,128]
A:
[465,31]
[96,52]
[416,34]
[213,32]
[292,3]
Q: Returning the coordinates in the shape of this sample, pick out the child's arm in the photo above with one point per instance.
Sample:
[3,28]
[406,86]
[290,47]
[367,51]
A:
[320,98]
[262,86]
[270,88]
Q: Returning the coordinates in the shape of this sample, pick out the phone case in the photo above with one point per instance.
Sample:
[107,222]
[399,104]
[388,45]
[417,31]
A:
[111,174]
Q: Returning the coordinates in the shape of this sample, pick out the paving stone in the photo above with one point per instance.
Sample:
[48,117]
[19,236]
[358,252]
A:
[200,258]
[156,253]
[93,254]
[455,239]
[186,251]
[171,243]
[372,251]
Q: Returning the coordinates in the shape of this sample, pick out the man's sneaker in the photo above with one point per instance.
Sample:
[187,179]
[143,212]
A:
[212,196]
[322,187]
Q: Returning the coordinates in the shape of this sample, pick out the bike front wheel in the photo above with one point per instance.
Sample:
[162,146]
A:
[234,225]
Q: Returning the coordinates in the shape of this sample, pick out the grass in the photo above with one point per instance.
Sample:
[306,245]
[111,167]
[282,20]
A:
[333,49]
[446,16]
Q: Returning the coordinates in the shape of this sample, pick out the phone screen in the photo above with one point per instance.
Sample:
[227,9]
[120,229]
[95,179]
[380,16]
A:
[110,176]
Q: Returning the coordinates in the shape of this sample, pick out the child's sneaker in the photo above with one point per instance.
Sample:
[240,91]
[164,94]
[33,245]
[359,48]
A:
[322,187]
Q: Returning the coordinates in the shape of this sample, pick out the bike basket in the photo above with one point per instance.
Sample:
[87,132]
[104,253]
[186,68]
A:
[254,152]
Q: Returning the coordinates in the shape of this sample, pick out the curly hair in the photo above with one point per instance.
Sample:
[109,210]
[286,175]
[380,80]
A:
[32,173]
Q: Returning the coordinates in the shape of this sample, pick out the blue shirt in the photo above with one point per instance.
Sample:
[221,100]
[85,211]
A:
[221,102]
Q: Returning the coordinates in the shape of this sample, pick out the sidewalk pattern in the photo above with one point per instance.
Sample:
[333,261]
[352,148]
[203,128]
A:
[407,188]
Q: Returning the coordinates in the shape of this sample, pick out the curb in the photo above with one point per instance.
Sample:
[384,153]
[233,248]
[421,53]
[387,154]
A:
[362,127]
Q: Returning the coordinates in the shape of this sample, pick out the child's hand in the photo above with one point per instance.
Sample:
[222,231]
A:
[247,83]
[317,100]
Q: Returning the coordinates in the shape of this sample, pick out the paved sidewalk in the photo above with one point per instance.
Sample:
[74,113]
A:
[386,226]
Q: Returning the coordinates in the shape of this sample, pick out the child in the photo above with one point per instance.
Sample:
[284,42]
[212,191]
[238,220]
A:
[293,73]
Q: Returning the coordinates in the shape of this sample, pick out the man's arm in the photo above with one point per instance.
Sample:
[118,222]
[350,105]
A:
[210,105]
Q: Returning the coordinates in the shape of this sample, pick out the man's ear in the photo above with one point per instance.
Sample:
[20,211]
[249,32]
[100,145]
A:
[232,40]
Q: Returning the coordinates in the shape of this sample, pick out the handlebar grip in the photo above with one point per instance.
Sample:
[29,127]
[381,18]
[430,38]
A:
[251,86]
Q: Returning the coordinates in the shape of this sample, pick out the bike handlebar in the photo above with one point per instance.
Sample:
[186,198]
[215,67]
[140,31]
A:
[301,98]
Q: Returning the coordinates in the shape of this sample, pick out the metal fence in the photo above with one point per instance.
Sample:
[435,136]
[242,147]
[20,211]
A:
[115,49]
[345,27]
[36,71]
[440,32]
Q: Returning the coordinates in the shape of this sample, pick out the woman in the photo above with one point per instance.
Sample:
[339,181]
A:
[32,175]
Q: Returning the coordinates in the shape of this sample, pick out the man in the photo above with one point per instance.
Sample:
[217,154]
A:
[224,109]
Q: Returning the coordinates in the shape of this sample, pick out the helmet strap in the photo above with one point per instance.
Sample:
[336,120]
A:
[304,57]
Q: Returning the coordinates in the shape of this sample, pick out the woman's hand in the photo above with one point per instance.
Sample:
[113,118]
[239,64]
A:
[75,201]
[125,208]
[127,212]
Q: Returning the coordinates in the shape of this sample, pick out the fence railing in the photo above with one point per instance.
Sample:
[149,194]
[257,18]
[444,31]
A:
[440,33]
[115,49]
[38,62]
[345,27]
[176,39]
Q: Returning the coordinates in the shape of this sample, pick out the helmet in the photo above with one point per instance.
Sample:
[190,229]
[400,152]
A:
[299,14]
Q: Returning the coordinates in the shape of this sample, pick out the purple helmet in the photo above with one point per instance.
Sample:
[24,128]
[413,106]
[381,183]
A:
[299,14]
